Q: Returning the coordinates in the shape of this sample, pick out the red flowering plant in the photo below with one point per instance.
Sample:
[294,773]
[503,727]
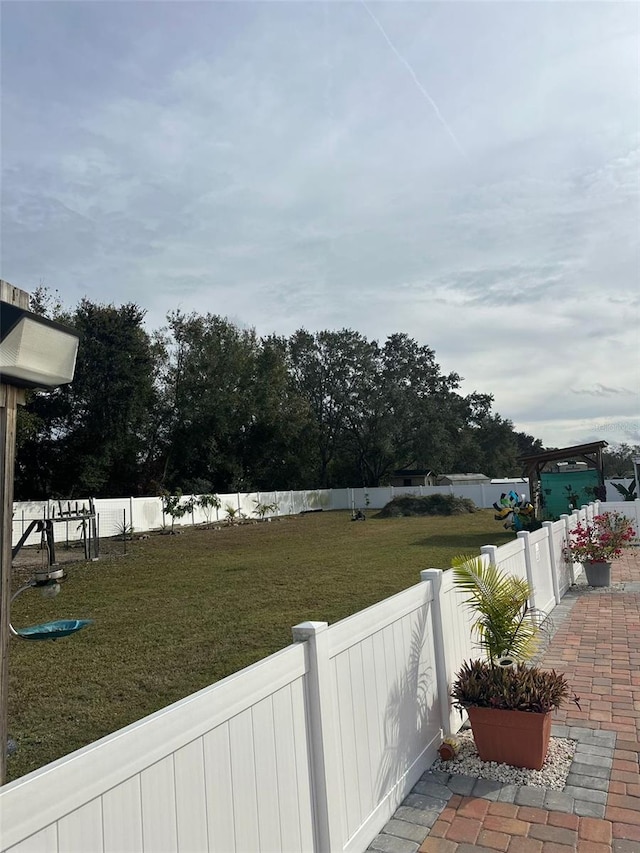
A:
[600,540]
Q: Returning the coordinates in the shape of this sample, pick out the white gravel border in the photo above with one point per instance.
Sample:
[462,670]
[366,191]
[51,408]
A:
[553,774]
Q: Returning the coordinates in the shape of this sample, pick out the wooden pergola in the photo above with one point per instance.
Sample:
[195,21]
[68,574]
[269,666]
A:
[534,464]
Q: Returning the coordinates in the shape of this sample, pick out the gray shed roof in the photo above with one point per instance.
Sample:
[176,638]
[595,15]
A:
[462,477]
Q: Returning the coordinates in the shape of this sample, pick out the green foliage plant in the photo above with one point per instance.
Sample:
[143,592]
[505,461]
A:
[572,497]
[232,514]
[628,492]
[173,506]
[263,509]
[506,625]
[509,631]
[520,688]
[124,529]
[207,504]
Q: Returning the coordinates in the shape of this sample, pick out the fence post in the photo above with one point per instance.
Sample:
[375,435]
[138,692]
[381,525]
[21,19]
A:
[322,712]
[490,551]
[524,535]
[564,518]
[547,525]
[434,576]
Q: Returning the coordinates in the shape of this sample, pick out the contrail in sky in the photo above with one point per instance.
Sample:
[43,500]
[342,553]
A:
[416,81]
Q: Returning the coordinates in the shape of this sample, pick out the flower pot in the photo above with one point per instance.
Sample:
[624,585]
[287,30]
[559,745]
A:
[518,738]
[598,574]
[448,749]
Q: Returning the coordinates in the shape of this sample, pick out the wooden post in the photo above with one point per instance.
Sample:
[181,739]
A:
[10,397]
[8,417]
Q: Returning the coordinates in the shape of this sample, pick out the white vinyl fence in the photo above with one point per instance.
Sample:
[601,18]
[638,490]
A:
[311,749]
[145,514]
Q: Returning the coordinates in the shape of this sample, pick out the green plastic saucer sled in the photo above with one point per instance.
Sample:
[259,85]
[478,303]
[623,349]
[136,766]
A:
[53,630]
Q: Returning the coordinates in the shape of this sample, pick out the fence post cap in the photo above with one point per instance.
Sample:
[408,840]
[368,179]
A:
[432,575]
[304,630]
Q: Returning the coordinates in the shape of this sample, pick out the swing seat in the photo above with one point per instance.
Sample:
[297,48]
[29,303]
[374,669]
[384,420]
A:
[53,630]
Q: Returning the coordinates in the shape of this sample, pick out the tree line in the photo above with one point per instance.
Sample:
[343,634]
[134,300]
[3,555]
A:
[206,406]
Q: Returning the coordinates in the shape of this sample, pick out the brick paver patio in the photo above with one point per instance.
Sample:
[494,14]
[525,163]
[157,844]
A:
[597,646]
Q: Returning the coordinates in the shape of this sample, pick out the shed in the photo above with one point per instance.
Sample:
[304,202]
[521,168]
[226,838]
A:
[463,479]
[547,464]
[412,477]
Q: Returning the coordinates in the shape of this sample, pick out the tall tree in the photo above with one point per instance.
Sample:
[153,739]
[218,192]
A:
[277,445]
[618,459]
[92,437]
[207,388]
[328,369]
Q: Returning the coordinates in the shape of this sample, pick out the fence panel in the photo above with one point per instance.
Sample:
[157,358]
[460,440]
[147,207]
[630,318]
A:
[458,642]
[112,514]
[24,513]
[387,714]
[247,504]
[147,514]
[538,553]
[571,521]
[297,503]
[508,558]
[380,496]
[161,784]
[630,509]
[557,541]
[340,498]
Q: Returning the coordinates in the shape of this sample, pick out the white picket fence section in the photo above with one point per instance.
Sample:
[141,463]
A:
[311,749]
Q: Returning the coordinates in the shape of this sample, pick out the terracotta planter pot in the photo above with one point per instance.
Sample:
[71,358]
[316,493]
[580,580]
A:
[519,738]
[598,574]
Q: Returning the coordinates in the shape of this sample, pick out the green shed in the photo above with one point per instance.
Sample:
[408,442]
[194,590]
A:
[564,478]
[564,491]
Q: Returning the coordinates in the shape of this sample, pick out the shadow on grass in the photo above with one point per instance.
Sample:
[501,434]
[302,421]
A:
[467,541]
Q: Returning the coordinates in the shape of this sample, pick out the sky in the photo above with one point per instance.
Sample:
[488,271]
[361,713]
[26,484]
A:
[465,172]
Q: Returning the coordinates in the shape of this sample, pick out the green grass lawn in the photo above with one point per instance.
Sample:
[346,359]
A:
[180,612]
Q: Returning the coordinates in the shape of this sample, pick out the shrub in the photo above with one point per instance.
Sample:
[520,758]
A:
[520,688]
[600,540]
[437,504]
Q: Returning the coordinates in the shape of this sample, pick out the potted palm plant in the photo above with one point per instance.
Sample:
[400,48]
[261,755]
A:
[509,703]
[596,543]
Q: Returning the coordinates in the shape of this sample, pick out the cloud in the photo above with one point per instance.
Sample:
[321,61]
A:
[277,163]
[599,390]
